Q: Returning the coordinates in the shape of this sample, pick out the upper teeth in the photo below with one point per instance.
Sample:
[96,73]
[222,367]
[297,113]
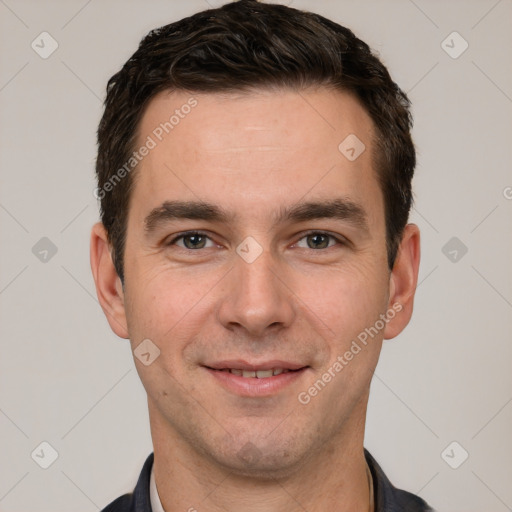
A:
[259,374]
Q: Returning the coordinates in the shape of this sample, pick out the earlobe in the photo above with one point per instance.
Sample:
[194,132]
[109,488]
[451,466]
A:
[403,281]
[108,285]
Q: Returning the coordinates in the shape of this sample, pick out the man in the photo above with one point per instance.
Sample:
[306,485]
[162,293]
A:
[254,171]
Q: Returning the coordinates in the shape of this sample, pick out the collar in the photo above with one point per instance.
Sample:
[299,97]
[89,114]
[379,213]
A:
[156,504]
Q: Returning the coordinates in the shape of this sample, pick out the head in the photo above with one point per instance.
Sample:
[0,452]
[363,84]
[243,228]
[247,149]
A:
[244,46]
[234,124]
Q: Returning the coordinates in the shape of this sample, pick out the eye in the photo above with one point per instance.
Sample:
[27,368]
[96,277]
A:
[318,240]
[192,240]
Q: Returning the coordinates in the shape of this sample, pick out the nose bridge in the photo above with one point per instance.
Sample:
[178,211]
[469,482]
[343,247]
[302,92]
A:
[256,299]
[257,278]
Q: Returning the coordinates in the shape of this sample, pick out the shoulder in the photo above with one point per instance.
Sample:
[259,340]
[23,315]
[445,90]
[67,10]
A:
[390,499]
[122,504]
[139,500]
[406,502]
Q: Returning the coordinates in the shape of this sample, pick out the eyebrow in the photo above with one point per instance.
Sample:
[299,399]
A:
[337,208]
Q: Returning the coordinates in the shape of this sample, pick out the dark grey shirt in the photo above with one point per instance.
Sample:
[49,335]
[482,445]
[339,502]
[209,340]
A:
[387,498]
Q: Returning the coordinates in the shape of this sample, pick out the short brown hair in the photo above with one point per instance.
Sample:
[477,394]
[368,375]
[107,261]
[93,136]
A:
[241,46]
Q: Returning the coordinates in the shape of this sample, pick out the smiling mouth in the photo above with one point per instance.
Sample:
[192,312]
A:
[256,374]
[254,380]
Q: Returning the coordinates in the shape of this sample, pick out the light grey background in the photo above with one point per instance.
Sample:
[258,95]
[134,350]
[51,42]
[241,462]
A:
[66,379]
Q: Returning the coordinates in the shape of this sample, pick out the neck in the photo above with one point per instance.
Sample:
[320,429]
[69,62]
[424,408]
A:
[333,479]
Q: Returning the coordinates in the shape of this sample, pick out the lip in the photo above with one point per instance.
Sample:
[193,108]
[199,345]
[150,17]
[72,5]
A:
[240,364]
[253,386]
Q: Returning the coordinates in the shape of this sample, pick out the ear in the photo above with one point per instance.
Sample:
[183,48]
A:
[403,281]
[109,288]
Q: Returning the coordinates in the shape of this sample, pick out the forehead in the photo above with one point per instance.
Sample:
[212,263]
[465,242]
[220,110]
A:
[212,122]
[255,149]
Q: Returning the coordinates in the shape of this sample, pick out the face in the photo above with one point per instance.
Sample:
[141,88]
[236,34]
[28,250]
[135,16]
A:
[255,261]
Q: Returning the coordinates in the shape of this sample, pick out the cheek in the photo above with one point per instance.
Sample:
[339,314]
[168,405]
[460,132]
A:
[345,302]
[173,308]
[157,304]
[160,292]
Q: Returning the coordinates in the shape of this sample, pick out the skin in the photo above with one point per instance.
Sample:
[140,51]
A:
[253,154]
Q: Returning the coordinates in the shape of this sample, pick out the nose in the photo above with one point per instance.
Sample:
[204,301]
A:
[256,297]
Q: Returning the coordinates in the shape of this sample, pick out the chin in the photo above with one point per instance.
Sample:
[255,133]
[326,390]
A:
[260,459]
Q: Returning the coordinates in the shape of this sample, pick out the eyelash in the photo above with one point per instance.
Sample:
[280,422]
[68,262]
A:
[339,240]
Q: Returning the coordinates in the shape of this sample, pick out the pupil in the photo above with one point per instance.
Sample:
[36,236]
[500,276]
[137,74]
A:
[194,241]
[317,241]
